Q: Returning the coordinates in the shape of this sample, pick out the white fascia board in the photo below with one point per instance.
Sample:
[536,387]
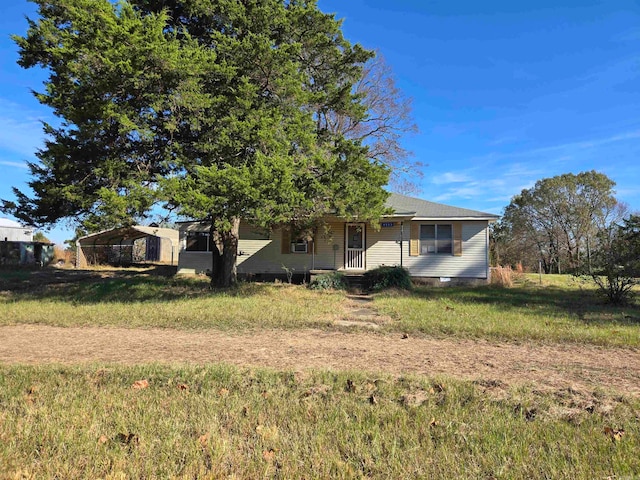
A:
[454,219]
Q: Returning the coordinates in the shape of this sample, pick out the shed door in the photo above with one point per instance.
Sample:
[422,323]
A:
[153,249]
[355,246]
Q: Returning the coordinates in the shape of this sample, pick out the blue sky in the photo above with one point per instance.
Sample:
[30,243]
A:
[504,93]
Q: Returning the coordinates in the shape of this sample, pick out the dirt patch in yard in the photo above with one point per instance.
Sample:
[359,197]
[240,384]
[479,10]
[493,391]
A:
[565,366]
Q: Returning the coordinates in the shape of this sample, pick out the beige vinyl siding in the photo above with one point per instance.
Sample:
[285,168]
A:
[261,255]
[265,256]
[194,262]
[383,247]
[257,254]
[471,264]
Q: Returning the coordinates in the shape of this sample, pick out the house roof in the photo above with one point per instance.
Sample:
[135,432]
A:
[418,208]
[116,235]
[402,206]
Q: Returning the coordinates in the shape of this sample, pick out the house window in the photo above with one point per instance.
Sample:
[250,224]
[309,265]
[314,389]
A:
[436,239]
[299,246]
[197,242]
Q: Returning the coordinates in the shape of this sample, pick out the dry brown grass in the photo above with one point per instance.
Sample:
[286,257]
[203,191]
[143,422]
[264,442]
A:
[502,276]
[64,255]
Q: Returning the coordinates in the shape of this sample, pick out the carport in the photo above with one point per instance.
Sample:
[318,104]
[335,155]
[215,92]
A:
[129,245]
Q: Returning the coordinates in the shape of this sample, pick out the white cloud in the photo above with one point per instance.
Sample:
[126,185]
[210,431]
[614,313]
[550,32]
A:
[451,177]
[20,129]
[612,74]
[469,191]
[566,151]
[14,164]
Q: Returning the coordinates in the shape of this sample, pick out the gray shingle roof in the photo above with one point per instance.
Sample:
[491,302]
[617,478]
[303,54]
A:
[416,207]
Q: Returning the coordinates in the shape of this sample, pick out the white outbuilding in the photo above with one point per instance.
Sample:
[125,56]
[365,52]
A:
[12,231]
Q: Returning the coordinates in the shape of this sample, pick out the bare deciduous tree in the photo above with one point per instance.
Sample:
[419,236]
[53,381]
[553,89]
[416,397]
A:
[389,119]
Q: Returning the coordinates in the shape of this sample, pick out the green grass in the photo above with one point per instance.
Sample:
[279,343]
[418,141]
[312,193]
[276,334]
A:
[140,300]
[224,422]
[560,310]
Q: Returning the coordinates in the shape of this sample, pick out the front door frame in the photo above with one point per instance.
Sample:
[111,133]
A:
[355,258]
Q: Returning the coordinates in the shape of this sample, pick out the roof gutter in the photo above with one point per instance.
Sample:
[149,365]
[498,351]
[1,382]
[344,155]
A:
[489,219]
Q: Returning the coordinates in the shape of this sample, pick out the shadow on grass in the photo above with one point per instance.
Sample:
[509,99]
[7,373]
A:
[585,304]
[155,284]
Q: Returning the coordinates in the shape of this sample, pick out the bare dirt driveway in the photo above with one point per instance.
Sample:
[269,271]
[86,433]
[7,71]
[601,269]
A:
[547,366]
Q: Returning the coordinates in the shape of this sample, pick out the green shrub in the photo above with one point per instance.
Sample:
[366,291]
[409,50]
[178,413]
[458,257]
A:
[382,278]
[329,281]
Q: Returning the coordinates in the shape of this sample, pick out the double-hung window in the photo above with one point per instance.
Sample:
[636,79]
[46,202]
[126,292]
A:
[436,238]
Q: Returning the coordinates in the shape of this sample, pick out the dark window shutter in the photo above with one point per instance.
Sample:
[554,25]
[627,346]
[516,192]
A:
[414,239]
[285,241]
[457,239]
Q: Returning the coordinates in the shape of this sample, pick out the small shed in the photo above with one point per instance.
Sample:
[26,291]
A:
[129,245]
[15,253]
[12,231]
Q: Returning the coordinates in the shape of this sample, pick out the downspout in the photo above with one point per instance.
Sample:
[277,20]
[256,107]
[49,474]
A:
[313,252]
[401,240]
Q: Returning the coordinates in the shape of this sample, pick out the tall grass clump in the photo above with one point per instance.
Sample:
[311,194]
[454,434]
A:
[502,276]
[63,255]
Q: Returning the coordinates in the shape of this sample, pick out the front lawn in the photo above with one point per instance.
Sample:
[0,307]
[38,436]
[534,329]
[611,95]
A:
[560,310]
[138,299]
[221,422]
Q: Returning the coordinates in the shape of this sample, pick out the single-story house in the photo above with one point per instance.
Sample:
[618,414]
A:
[128,245]
[431,240]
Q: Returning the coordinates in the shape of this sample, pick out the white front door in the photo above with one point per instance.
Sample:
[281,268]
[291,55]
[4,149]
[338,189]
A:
[355,246]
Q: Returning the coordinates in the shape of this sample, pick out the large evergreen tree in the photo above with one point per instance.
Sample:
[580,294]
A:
[216,107]
[118,82]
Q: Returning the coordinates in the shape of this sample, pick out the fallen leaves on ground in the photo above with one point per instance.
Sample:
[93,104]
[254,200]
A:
[269,434]
[321,390]
[614,434]
[269,455]
[128,438]
[203,440]
[140,384]
[414,399]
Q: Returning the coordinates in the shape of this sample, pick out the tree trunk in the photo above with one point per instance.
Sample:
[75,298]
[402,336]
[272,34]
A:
[225,254]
